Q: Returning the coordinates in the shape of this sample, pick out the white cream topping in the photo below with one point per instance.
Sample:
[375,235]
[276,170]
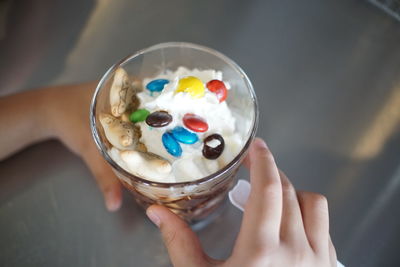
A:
[191,165]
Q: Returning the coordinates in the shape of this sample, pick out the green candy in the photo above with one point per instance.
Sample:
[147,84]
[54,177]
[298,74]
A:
[139,115]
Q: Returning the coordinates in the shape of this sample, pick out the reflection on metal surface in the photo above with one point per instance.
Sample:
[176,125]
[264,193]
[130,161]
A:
[345,180]
[84,47]
[392,7]
[381,128]
[375,211]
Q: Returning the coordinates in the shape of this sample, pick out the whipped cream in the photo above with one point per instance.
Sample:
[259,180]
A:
[191,165]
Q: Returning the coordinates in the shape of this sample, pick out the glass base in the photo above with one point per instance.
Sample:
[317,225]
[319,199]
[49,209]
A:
[198,225]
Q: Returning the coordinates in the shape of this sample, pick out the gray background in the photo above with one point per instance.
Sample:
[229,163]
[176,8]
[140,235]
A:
[327,76]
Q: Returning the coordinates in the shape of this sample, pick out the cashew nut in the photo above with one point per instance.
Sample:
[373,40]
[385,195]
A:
[122,135]
[121,93]
[146,165]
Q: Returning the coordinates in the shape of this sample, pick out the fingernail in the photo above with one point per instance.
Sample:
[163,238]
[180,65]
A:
[153,217]
[260,143]
[112,203]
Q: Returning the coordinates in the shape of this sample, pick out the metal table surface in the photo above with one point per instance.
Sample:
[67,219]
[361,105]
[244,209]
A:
[327,76]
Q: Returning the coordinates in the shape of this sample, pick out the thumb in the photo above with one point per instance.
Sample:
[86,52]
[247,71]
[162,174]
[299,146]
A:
[105,178]
[183,246]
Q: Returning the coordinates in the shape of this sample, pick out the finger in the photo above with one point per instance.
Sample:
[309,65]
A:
[182,243]
[106,180]
[332,253]
[314,209]
[263,211]
[292,229]
[246,161]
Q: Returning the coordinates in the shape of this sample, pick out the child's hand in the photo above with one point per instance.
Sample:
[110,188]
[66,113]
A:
[68,113]
[279,227]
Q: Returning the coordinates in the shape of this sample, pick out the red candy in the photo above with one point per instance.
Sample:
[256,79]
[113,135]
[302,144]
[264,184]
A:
[219,88]
[195,123]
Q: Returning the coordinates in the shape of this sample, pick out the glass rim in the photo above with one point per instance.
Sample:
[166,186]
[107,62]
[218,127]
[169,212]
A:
[215,175]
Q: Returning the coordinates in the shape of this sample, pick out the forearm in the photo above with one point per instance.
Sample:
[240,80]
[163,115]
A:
[23,120]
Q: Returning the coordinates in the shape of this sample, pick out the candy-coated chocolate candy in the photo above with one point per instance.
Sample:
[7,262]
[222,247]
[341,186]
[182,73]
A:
[171,145]
[159,119]
[156,85]
[139,115]
[195,123]
[191,85]
[213,146]
[184,136]
[218,87]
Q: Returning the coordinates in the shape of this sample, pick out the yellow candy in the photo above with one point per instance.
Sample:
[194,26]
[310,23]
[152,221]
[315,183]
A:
[191,85]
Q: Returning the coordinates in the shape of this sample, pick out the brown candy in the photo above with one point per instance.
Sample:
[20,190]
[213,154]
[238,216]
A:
[159,119]
[213,146]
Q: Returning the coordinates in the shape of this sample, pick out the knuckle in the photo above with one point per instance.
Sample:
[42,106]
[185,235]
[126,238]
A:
[287,187]
[319,202]
[169,238]
[315,202]
[272,190]
[266,155]
[290,195]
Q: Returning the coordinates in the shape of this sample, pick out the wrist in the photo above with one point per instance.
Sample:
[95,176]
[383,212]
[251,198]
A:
[44,115]
[25,116]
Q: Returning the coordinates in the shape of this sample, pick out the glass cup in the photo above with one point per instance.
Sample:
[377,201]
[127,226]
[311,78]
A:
[193,201]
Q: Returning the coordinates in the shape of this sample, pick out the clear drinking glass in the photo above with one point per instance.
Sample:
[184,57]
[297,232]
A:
[193,201]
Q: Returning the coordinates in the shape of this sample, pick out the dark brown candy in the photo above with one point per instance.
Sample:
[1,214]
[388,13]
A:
[159,119]
[213,146]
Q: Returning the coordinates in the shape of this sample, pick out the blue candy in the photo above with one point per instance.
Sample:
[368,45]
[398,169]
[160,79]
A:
[171,145]
[156,85]
[184,136]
